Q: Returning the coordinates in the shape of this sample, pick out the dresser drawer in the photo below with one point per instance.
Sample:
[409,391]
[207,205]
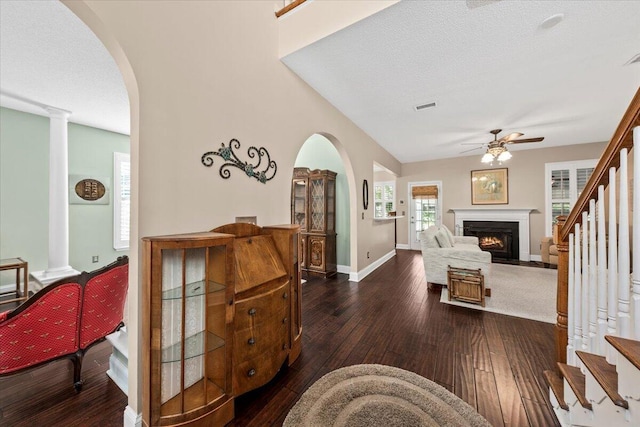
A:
[253,311]
[256,372]
[269,336]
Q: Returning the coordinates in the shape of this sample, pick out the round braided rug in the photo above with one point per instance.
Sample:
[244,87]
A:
[379,395]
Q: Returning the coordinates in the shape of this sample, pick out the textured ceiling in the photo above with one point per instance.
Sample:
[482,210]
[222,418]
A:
[486,65]
[49,57]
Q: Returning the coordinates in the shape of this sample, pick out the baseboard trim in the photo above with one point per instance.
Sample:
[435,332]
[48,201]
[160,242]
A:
[536,258]
[403,246]
[358,276]
[345,269]
[132,418]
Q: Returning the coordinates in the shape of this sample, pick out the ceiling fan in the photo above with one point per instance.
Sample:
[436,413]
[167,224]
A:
[496,149]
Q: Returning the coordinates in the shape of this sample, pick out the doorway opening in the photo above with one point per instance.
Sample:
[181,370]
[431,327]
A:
[425,209]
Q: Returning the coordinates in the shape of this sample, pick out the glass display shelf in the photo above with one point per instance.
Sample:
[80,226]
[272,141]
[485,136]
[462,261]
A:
[194,346]
[192,290]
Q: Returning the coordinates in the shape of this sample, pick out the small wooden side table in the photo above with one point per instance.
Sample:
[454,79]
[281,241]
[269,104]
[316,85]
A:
[466,285]
[16,264]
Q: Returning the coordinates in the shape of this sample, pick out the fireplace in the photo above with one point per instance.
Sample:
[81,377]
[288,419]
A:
[519,215]
[501,238]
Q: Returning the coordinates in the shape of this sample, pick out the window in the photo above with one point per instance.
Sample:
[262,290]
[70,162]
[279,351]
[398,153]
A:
[564,181]
[121,201]
[384,198]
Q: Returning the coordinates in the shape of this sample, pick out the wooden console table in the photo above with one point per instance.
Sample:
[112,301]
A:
[16,264]
[466,285]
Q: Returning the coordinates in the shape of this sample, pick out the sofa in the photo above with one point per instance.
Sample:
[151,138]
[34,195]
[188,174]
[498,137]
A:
[441,249]
[548,251]
[64,319]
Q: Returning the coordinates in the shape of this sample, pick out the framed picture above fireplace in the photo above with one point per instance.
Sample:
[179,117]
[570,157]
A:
[490,187]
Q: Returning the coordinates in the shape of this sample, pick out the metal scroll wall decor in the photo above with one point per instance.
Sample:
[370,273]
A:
[231,159]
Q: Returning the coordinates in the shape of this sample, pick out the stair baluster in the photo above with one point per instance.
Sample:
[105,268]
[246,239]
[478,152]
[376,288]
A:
[612,300]
[593,279]
[624,320]
[602,272]
[571,313]
[585,283]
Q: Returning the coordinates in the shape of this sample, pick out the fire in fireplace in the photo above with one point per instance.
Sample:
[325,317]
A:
[501,238]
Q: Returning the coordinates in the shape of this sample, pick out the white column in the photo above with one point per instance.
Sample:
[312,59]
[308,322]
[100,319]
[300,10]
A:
[58,266]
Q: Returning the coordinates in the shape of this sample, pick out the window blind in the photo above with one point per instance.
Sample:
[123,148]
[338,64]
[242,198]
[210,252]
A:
[424,191]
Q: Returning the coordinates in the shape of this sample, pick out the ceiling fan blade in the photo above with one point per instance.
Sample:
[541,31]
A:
[510,137]
[520,141]
[471,149]
[472,143]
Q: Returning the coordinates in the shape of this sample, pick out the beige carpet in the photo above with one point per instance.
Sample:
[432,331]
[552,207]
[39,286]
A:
[379,395]
[527,292]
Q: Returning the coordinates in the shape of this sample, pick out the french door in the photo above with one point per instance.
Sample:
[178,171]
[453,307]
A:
[425,209]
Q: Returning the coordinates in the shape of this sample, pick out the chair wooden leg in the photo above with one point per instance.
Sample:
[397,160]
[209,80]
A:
[77,370]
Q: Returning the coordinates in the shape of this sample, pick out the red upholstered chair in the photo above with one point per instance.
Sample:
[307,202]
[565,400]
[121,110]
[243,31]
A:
[64,320]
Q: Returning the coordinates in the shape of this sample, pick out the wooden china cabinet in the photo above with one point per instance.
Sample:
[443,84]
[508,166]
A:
[221,315]
[313,208]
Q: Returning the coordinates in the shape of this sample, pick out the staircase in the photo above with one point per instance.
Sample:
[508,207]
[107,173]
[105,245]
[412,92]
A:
[599,393]
[597,382]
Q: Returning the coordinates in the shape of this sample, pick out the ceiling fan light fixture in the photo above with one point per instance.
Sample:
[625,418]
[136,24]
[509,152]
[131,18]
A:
[487,158]
[505,155]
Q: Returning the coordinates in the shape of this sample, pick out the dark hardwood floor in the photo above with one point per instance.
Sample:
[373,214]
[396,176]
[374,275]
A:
[493,362]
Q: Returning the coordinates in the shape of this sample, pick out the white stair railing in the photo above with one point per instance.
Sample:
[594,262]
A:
[599,286]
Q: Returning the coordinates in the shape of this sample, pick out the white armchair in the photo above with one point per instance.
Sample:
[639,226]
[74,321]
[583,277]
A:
[441,249]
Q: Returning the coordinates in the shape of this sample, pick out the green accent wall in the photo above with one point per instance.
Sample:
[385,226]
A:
[91,225]
[24,191]
[319,153]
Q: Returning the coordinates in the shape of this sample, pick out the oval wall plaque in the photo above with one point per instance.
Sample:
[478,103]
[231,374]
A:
[90,189]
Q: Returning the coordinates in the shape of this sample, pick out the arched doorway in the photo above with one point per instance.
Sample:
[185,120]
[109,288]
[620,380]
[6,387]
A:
[84,12]
[323,151]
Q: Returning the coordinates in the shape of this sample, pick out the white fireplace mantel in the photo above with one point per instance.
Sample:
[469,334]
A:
[519,215]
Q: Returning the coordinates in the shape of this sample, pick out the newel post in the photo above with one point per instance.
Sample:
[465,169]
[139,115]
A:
[562,291]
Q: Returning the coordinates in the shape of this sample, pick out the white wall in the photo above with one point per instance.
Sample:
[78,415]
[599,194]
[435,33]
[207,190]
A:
[526,183]
[198,75]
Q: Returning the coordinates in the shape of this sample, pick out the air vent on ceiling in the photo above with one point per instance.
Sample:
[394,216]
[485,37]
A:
[472,4]
[634,60]
[423,106]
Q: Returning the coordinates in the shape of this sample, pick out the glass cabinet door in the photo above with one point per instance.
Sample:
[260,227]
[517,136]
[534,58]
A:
[331,206]
[299,211]
[317,204]
[193,331]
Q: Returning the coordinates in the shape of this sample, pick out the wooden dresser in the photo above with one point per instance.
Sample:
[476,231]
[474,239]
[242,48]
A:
[256,270]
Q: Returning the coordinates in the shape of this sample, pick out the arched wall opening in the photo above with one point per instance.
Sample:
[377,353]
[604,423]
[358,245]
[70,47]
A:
[134,316]
[323,151]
